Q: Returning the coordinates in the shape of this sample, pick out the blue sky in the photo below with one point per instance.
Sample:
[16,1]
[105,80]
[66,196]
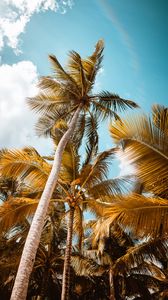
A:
[135,58]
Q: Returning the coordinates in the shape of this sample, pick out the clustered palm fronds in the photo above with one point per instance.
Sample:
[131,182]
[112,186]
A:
[121,251]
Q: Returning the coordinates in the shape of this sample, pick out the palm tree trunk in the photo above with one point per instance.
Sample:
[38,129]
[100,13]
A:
[19,291]
[111,284]
[67,262]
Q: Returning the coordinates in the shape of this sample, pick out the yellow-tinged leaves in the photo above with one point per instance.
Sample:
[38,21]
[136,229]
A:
[86,267]
[97,171]
[25,164]
[150,251]
[146,147]
[144,216]
[160,117]
[15,211]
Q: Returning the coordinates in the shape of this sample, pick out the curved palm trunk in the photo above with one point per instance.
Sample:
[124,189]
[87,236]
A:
[19,291]
[67,262]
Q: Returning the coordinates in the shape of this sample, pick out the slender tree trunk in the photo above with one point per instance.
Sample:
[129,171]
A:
[111,284]
[19,291]
[67,262]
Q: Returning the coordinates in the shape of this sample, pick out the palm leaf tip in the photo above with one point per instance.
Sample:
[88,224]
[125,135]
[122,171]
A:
[99,45]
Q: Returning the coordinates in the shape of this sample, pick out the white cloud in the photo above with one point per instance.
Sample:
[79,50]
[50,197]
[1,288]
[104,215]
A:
[98,86]
[15,14]
[126,166]
[17,82]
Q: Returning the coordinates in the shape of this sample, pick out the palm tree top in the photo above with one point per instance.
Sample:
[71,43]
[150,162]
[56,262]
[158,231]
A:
[60,94]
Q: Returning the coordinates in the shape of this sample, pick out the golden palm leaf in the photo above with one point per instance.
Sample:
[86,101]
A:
[25,164]
[15,211]
[160,117]
[146,147]
[61,75]
[92,64]
[96,172]
[86,267]
[106,189]
[77,72]
[45,102]
[144,216]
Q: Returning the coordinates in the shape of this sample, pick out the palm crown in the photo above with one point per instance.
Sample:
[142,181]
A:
[68,88]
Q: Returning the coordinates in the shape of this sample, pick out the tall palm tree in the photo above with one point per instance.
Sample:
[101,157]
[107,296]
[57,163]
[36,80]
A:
[80,185]
[66,95]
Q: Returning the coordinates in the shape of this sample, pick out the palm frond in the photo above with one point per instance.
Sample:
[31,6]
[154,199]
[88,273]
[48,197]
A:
[92,174]
[103,112]
[114,101]
[25,164]
[101,258]
[92,139]
[150,251]
[92,64]
[146,147]
[48,123]
[107,105]
[160,117]
[110,187]
[45,102]
[144,216]
[61,75]
[86,267]
[51,85]
[77,72]
[15,211]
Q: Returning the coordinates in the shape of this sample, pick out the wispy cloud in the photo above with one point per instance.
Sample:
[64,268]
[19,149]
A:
[125,37]
[15,14]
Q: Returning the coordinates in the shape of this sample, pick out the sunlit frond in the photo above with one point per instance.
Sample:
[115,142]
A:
[47,102]
[92,174]
[77,72]
[160,117]
[25,164]
[144,216]
[110,187]
[15,211]
[86,267]
[102,258]
[150,251]
[92,64]
[146,147]
[61,75]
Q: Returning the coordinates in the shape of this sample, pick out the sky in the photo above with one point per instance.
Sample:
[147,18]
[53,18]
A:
[135,64]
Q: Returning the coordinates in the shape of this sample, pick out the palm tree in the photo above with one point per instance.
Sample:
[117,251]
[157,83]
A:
[130,266]
[66,95]
[80,187]
[77,185]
